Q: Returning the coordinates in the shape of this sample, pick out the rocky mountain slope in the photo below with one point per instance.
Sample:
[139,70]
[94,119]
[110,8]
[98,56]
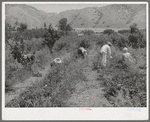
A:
[110,16]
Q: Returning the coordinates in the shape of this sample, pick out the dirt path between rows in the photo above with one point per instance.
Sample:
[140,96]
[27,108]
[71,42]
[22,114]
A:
[20,87]
[88,93]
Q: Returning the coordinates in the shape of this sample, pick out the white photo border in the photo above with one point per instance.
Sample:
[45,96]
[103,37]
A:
[97,113]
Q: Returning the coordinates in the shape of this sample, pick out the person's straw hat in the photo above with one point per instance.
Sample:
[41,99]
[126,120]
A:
[57,60]
[109,43]
[125,49]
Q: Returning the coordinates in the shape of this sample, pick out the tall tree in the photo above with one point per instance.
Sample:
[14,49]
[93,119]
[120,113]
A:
[50,38]
[134,28]
[44,25]
[23,26]
[63,24]
[69,28]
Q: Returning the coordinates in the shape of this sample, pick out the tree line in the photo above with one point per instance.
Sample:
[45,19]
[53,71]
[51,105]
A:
[19,38]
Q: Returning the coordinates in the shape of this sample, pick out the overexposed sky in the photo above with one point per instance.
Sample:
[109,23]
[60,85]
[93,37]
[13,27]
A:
[57,8]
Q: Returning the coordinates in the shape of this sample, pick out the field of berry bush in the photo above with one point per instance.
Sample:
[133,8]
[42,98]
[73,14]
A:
[122,84]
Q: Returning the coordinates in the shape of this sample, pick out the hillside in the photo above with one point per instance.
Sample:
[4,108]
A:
[112,16]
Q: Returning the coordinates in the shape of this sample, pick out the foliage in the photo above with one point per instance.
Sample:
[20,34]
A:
[73,42]
[55,89]
[118,40]
[33,45]
[63,25]
[39,33]
[88,32]
[26,34]
[134,28]
[50,37]
[45,26]
[124,31]
[124,82]
[8,30]
[16,68]
[108,31]
[14,71]
[23,26]
[69,28]
[137,40]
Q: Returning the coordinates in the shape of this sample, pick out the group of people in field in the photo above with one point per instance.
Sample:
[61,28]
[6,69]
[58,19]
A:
[104,52]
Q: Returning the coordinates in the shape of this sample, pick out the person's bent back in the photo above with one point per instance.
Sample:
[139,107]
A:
[82,51]
[126,56]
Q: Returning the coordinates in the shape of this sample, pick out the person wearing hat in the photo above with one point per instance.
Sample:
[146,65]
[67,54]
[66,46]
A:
[55,61]
[30,57]
[30,60]
[105,49]
[126,56]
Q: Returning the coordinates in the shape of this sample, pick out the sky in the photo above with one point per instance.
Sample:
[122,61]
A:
[57,8]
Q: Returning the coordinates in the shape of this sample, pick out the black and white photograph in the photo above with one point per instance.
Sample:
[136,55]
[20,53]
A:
[77,56]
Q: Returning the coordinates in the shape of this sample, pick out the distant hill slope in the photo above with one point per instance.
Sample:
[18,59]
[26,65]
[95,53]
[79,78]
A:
[112,16]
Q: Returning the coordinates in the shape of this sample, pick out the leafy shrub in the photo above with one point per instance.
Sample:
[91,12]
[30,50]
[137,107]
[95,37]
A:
[85,43]
[50,37]
[33,45]
[71,43]
[61,33]
[134,28]
[137,40]
[26,34]
[96,61]
[103,39]
[43,56]
[63,25]
[118,40]
[23,26]
[17,71]
[39,33]
[123,31]
[88,32]
[108,31]
[64,43]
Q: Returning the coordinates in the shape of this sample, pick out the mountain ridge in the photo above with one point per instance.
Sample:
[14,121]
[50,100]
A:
[122,16]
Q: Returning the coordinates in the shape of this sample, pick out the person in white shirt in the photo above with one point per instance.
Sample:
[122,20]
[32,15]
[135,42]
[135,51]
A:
[104,51]
[82,52]
[126,56]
